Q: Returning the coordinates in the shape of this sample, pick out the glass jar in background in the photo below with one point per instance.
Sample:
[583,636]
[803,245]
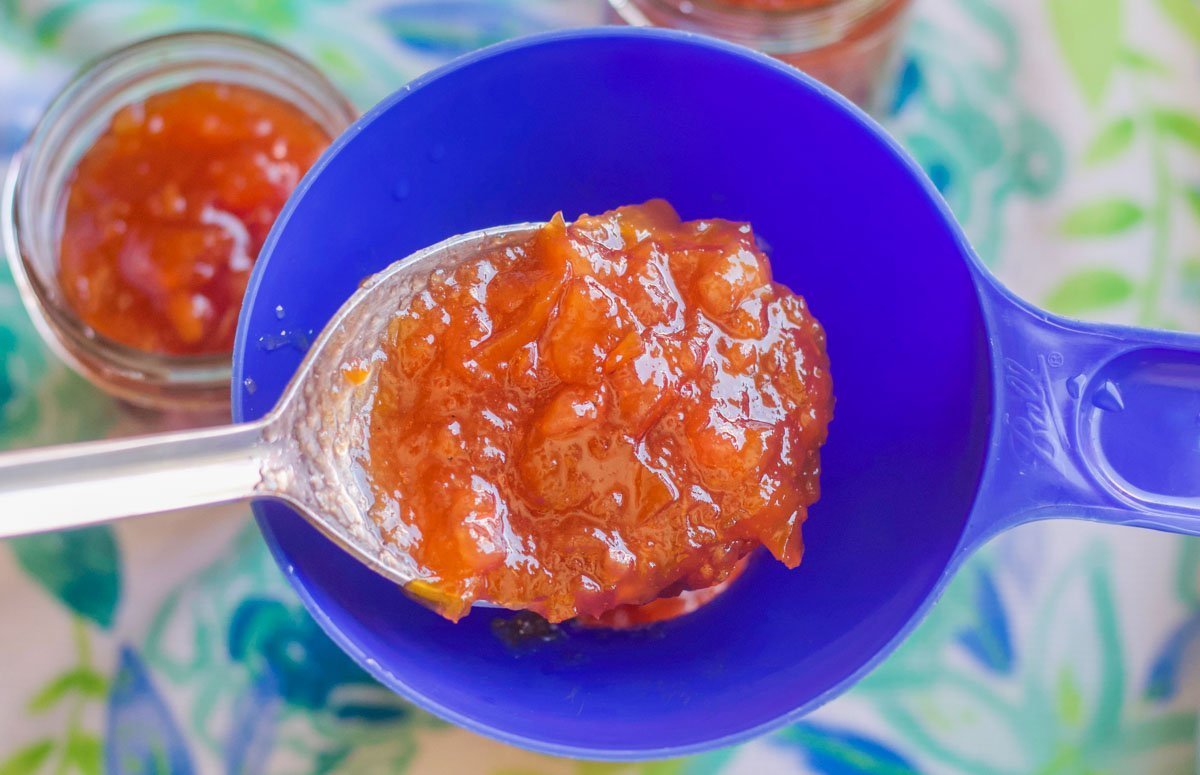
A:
[34,201]
[850,45]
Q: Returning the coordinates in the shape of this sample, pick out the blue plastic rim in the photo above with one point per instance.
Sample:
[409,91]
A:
[960,410]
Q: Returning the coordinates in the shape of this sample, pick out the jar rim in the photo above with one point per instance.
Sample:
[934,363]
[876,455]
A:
[773,30]
[145,377]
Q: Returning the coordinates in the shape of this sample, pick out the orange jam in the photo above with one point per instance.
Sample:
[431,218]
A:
[166,213]
[629,617]
[609,412]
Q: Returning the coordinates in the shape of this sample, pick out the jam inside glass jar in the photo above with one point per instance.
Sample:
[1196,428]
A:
[33,214]
[167,210]
[612,412]
[850,45]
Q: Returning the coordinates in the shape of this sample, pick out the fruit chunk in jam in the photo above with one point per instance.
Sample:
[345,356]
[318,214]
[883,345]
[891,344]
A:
[610,412]
[168,209]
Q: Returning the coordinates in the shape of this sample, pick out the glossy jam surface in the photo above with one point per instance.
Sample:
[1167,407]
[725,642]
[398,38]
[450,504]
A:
[168,209]
[610,412]
[629,617]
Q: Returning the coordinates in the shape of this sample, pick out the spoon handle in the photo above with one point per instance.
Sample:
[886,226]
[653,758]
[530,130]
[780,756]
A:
[70,486]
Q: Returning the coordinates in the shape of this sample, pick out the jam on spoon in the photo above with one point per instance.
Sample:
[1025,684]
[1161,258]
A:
[600,415]
[695,389]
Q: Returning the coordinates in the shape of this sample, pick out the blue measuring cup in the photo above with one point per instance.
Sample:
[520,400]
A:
[961,410]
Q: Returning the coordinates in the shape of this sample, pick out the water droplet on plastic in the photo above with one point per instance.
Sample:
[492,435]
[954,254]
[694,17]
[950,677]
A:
[400,190]
[1076,384]
[250,385]
[437,152]
[271,342]
[279,311]
[1108,398]
[285,338]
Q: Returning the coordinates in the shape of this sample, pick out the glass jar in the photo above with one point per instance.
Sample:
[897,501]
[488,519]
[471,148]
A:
[851,45]
[34,201]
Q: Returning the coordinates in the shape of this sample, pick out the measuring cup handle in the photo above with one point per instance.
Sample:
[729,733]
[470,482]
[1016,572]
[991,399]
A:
[74,485]
[1091,421]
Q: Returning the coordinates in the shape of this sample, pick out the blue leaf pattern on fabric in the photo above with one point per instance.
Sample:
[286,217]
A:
[452,27]
[284,646]
[1163,680]
[252,729]
[907,85]
[940,175]
[988,640]
[11,137]
[372,713]
[8,346]
[835,752]
[141,737]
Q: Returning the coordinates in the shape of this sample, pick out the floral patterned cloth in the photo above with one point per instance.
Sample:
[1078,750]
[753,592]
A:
[1065,135]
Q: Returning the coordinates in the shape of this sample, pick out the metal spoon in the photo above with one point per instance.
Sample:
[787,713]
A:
[309,451]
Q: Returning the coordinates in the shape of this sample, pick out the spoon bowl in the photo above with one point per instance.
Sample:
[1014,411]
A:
[308,451]
[319,433]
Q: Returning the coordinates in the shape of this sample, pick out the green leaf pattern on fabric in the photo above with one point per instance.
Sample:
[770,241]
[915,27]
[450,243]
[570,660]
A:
[1103,218]
[27,760]
[1089,34]
[1185,14]
[1070,702]
[1189,273]
[1156,129]
[1179,125]
[85,753]
[82,568]
[82,680]
[1089,290]
[1144,62]
[1111,142]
